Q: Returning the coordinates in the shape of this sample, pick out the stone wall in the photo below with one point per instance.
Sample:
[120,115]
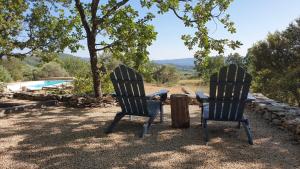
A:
[80,101]
[69,100]
[21,108]
[280,114]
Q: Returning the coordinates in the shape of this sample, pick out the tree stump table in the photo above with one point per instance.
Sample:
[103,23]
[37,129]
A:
[180,111]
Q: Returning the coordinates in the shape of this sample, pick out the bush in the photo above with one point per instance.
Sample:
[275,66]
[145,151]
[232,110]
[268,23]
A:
[166,74]
[147,70]
[211,65]
[17,69]
[51,69]
[4,75]
[83,85]
[2,87]
[107,86]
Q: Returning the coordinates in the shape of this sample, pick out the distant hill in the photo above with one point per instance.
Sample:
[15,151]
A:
[61,55]
[182,64]
[179,62]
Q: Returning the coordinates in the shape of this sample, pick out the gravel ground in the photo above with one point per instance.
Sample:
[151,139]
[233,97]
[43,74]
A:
[59,137]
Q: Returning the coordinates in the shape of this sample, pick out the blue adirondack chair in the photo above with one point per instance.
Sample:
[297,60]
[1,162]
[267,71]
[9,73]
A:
[229,92]
[130,93]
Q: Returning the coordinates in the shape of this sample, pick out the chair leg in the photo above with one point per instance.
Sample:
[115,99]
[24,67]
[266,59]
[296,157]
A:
[117,118]
[205,131]
[201,122]
[239,125]
[161,113]
[147,126]
[246,125]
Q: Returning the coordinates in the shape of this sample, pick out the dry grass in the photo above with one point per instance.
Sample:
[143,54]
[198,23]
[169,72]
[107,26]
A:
[61,137]
[151,88]
[192,85]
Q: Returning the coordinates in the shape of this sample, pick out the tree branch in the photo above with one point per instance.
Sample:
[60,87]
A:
[180,17]
[112,10]
[107,46]
[94,8]
[82,16]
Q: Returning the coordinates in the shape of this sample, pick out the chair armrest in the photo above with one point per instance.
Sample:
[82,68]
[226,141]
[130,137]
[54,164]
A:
[201,97]
[162,94]
[250,98]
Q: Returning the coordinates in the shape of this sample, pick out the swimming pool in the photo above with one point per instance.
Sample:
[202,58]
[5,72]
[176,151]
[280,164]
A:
[35,85]
[47,83]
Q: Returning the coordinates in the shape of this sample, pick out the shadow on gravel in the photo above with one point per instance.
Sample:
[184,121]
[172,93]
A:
[74,138]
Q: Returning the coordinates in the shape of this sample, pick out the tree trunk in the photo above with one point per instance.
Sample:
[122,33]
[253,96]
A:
[91,33]
[180,111]
[94,66]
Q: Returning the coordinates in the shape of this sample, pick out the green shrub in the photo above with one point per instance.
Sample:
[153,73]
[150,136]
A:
[4,75]
[2,86]
[107,86]
[83,85]
[166,75]
[18,69]
[147,70]
[211,65]
[51,69]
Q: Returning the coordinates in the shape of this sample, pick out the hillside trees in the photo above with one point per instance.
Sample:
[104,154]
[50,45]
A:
[235,58]
[4,75]
[274,64]
[75,66]
[51,69]
[213,64]
[17,69]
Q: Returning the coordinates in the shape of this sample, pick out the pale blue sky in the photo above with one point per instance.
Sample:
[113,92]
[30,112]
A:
[254,19]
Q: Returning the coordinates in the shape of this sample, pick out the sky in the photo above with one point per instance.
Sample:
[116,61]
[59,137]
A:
[254,19]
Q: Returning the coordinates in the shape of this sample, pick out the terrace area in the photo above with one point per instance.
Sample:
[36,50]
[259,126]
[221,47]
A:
[59,137]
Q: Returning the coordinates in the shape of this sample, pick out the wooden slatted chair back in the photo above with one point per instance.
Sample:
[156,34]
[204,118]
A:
[228,92]
[130,92]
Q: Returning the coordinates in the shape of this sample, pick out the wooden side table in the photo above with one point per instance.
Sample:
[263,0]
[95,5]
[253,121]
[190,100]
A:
[180,111]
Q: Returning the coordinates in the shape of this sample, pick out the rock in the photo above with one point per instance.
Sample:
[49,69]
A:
[2,113]
[280,114]
[267,116]
[262,105]
[275,108]
[290,124]
[276,121]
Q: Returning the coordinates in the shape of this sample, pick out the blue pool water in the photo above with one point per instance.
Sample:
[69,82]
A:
[47,83]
